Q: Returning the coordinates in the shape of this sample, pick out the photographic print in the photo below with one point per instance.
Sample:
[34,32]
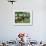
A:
[23,18]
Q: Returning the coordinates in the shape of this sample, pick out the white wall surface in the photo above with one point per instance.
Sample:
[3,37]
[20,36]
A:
[9,31]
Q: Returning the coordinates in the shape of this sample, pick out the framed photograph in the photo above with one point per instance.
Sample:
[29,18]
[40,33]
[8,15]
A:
[23,18]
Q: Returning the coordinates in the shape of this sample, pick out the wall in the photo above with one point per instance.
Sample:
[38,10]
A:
[9,31]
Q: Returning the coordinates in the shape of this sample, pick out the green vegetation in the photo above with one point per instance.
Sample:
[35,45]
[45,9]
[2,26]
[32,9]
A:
[22,17]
